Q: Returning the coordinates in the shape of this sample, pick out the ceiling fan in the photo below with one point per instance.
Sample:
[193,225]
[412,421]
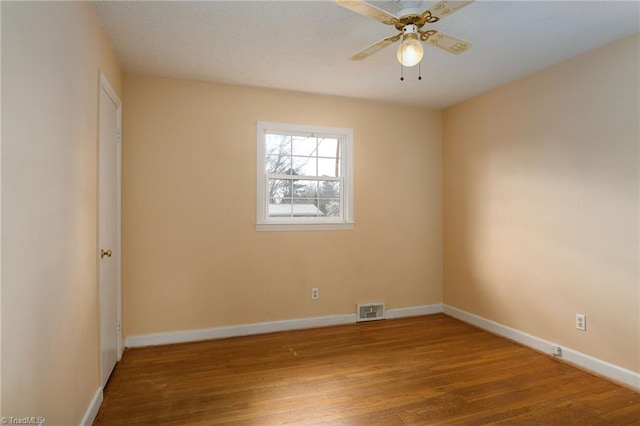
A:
[410,22]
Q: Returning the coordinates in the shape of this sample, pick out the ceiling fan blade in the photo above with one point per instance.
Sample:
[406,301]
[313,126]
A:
[368,10]
[442,10]
[363,54]
[447,42]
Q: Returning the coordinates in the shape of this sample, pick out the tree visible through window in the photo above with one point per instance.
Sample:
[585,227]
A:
[303,174]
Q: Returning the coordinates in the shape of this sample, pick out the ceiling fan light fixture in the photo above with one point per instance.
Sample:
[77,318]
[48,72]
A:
[410,51]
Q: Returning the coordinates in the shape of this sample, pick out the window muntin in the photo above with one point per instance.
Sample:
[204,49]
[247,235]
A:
[304,175]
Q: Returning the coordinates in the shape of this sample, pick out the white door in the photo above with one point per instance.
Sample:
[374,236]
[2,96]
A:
[108,234]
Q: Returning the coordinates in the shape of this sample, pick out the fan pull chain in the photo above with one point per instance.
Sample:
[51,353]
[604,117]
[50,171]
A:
[419,71]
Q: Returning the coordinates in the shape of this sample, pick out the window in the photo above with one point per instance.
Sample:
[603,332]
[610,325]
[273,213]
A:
[305,177]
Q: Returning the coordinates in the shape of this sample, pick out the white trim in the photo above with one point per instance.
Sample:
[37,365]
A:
[603,368]
[104,84]
[237,330]
[108,89]
[304,226]
[414,311]
[265,327]
[93,408]
[346,221]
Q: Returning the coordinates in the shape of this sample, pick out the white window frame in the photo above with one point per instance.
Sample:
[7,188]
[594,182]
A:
[266,223]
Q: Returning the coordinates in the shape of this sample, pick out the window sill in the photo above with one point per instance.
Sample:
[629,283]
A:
[342,226]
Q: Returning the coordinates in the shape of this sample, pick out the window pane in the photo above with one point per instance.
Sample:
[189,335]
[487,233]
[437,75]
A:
[313,201]
[305,166]
[305,189]
[303,177]
[304,145]
[328,147]
[305,207]
[328,167]
[279,210]
[279,188]
[278,145]
[329,207]
[280,200]
[278,165]
[329,189]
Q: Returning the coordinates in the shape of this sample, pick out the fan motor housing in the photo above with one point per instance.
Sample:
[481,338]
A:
[405,20]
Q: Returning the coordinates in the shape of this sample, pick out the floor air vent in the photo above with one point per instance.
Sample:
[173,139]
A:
[370,311]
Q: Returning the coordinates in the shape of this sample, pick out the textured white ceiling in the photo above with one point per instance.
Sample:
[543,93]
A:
[305,45]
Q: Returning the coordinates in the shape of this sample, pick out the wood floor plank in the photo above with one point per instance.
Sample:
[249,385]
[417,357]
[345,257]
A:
[411,371]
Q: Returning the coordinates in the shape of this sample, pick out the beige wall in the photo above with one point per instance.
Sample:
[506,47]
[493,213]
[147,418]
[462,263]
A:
[0,215]
[191,255]
[51,53]
[541,204]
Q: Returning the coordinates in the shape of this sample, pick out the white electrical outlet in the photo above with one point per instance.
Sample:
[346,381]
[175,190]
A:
[556,350]
[581,322]
[315,293]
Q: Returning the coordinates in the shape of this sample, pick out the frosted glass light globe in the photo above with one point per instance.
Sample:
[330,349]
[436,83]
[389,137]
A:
[410,50]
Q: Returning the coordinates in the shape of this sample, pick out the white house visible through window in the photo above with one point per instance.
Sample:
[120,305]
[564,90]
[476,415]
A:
[304,177]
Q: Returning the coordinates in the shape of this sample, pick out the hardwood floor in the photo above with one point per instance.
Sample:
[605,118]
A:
[412,371]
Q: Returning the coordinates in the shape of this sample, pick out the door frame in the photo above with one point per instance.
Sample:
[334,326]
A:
[108,89]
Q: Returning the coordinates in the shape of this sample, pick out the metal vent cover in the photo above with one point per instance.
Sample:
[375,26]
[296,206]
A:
[370,311]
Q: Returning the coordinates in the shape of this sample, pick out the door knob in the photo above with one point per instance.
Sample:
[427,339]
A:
[105,253]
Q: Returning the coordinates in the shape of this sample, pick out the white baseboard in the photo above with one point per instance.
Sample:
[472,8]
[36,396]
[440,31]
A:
[569,355]
[414,311]
[92,409]
[266,327]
